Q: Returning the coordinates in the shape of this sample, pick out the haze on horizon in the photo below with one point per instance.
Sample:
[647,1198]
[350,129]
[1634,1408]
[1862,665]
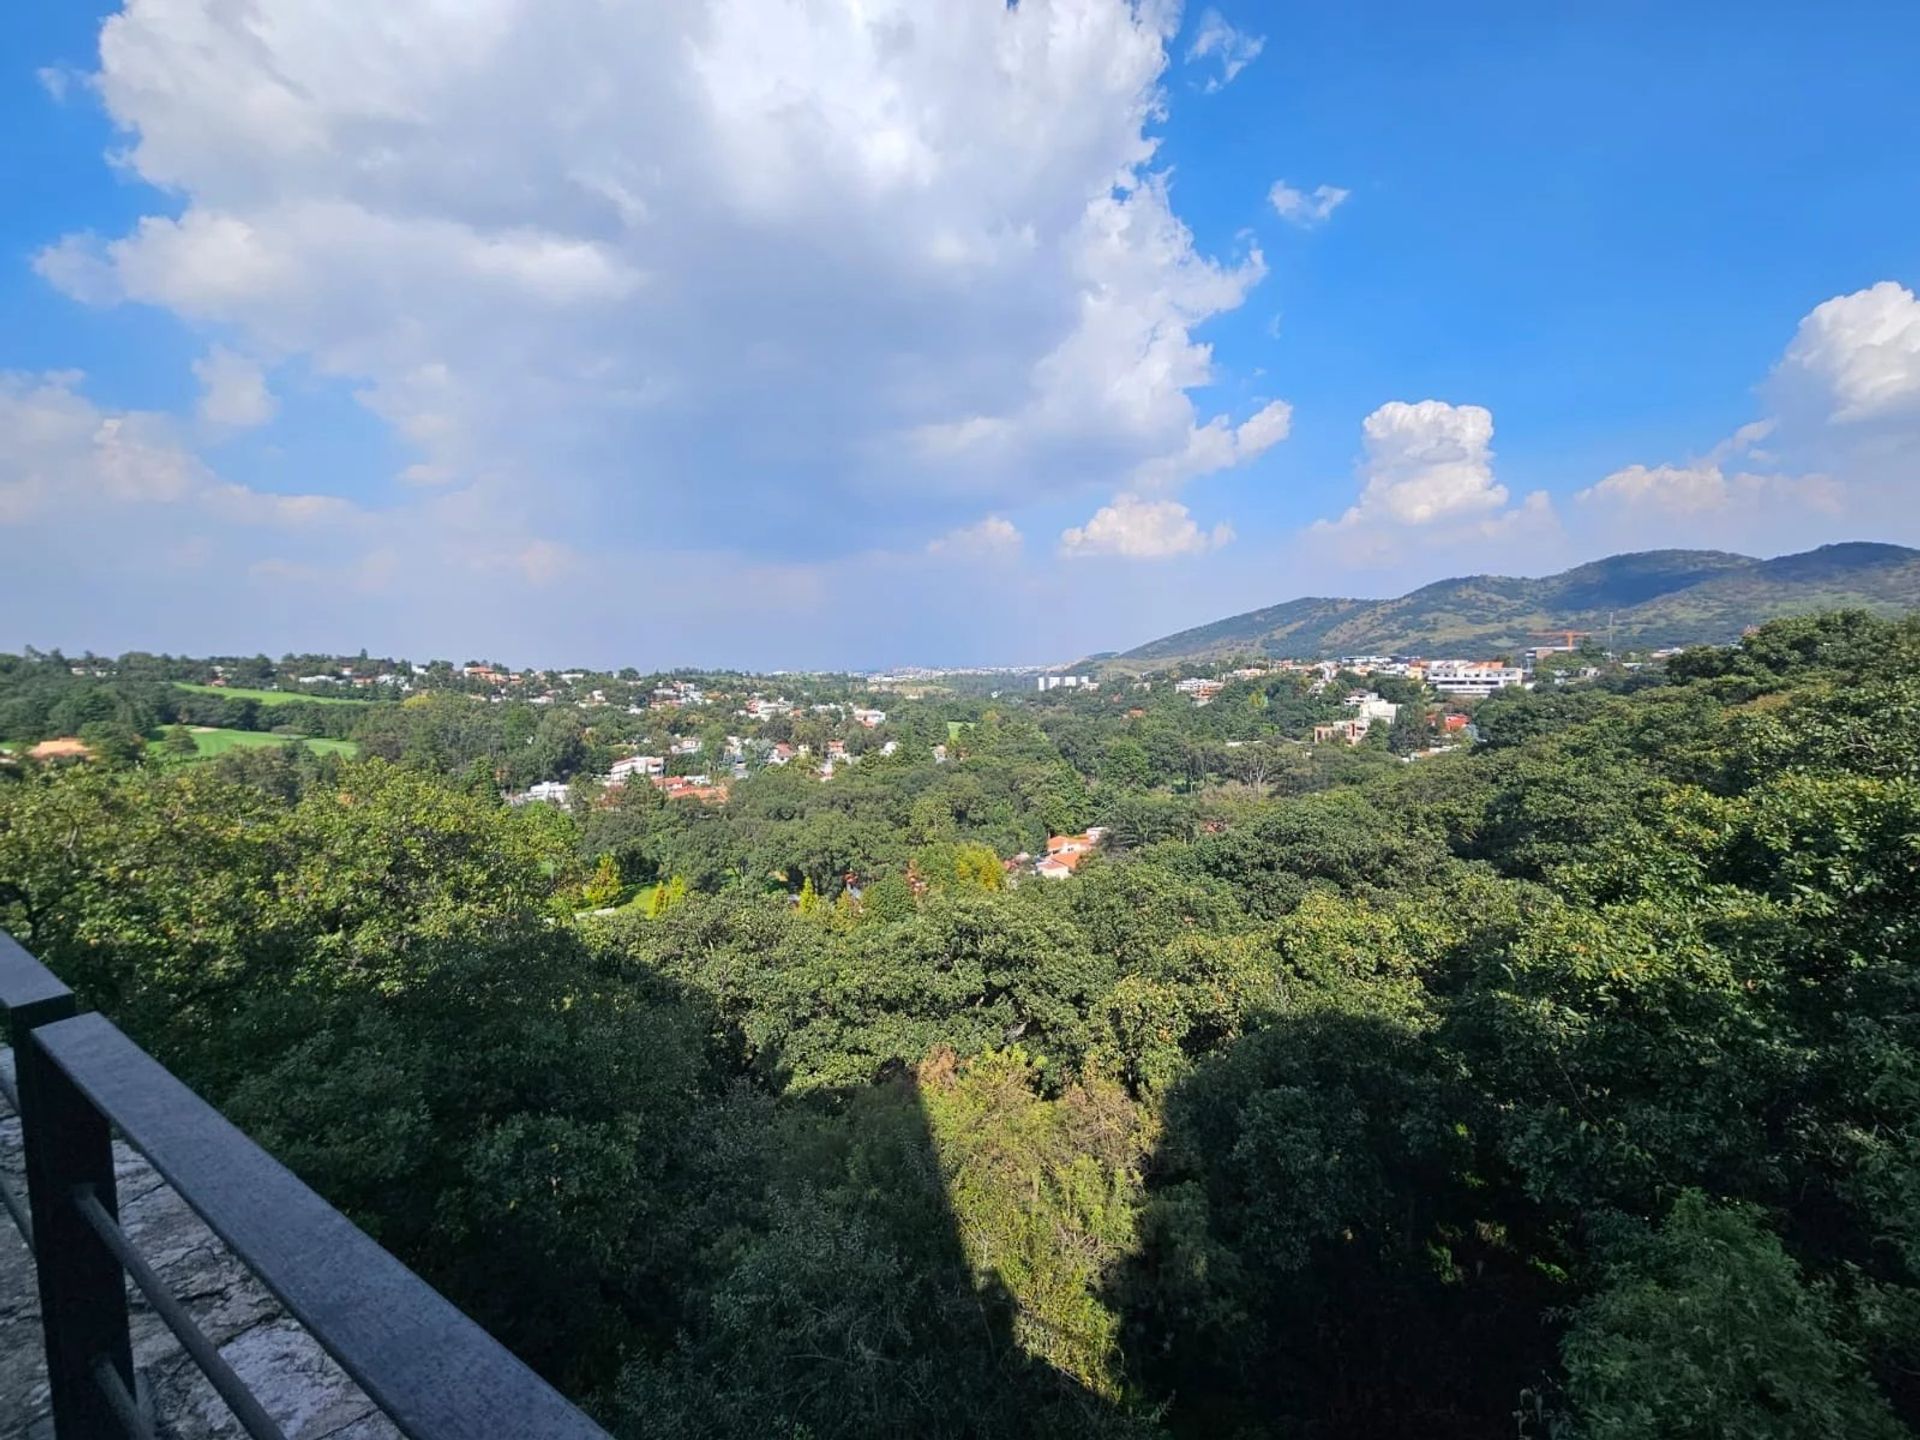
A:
[783,335]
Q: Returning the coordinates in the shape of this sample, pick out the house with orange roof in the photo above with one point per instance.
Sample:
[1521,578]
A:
[1065,852]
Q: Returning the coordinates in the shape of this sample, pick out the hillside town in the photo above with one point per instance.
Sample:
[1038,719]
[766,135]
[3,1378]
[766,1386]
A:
[690,738]
[577,738]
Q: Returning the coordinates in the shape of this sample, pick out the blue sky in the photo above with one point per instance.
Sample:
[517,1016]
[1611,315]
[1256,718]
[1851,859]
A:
[796,334]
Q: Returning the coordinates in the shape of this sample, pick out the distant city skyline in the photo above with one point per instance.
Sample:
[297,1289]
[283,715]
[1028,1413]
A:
[784,336]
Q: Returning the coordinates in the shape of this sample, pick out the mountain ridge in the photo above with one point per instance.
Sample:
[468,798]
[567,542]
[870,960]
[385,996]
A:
[1647,597]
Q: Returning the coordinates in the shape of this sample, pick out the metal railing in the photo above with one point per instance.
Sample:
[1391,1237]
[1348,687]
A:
[434,1372]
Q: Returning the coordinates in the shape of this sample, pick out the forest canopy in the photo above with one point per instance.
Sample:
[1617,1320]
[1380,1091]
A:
[1565,1084]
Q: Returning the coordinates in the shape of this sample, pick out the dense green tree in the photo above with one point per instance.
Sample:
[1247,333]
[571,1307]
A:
[1703,1327]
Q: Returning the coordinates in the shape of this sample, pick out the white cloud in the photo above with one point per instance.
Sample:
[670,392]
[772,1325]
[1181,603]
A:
[1832,461]
[1233,49]
[1218,445]
[1306,208]
[1427,485]
[58,81]
[233,390]
[1139,529]
[1703,487]
[924,246]
[117,534]
[1683,488]
[1425,462]
[991,538]
[58,453]
[1860,354]
[1266,427]
[64,458]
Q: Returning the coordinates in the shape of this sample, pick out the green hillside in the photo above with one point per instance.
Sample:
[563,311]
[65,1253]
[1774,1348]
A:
[1654,598]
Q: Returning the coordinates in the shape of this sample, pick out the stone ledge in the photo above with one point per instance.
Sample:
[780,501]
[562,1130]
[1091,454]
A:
[296,1381]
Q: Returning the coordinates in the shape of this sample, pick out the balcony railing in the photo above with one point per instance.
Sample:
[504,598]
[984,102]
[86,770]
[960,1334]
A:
[436,1374]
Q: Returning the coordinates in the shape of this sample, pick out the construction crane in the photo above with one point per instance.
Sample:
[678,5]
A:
[1571,635]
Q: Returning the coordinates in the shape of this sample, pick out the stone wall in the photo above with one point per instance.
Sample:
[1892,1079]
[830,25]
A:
[294,1379]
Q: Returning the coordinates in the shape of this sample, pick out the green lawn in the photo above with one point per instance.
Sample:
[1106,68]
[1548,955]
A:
[266,697]
[218,742]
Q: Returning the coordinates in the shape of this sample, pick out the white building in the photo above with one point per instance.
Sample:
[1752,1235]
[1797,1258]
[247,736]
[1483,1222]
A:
[647,765]
[1201,692]
[1466,677]
[1066,682]
[1371,707]
[547,792]
[870,718]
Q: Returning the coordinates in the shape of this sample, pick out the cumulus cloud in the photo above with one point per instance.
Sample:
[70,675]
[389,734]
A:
[233,390]
[1426,479]
[1303,207]
[1425,462]
[891,255]
[1137,529]
[1860,354]
[1217,41]
[992,538]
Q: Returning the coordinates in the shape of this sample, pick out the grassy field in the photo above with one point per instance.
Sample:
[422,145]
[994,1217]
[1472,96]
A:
[218,742]
[265,697]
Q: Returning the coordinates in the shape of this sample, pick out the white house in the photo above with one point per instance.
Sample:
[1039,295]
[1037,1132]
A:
[1201,692]
[1370,706]
[647,765]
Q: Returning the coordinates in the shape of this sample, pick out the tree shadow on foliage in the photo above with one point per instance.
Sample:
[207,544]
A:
[843,1303]
[1319,1257]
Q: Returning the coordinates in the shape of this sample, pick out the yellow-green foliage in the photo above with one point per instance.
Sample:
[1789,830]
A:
[604,886]
[666,895]
[1044,1193]
[948,866]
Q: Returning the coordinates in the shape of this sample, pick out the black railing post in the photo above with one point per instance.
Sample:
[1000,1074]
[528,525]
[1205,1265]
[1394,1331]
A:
[32,996]
[83,1299]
